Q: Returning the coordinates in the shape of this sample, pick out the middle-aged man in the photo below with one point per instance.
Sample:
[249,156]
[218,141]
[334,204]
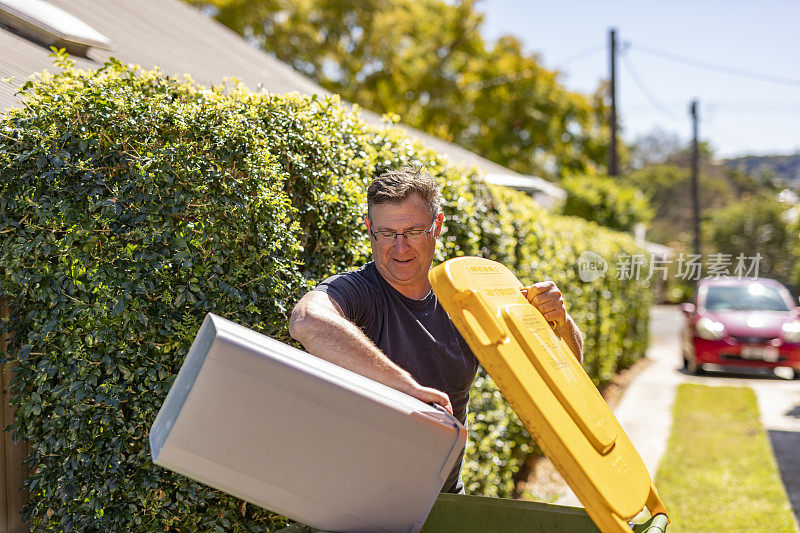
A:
[384,322]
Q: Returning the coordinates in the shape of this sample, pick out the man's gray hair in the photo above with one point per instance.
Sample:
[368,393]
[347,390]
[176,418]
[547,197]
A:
[394,186]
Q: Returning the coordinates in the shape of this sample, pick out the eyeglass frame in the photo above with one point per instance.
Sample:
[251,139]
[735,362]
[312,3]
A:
[397,234]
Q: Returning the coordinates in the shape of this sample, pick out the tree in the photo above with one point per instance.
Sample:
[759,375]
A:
[426,61]
[654,148]
[665,178]
[755,227]
[668,187]
[532,124]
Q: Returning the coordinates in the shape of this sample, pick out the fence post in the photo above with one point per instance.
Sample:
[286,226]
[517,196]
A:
[12,455]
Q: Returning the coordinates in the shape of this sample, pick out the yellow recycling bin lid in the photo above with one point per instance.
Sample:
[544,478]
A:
[548,389]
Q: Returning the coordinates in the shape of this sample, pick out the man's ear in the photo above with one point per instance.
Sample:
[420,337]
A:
[366,222]
[439,220]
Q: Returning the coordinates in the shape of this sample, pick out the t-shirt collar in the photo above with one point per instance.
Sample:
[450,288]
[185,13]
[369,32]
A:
[409,302]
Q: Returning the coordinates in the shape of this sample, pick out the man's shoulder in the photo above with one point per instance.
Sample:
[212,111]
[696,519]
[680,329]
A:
[358,292]
[362,282]
[363,274]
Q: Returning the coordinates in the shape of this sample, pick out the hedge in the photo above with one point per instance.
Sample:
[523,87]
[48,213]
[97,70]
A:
[134,203]
[604,200]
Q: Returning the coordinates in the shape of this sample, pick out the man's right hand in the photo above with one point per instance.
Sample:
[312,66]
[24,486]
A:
[429,395]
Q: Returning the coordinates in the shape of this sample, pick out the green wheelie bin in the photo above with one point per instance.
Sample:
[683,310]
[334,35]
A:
[454,513]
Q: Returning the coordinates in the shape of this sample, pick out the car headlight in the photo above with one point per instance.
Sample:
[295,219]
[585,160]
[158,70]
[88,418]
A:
[791,332]
[708,329]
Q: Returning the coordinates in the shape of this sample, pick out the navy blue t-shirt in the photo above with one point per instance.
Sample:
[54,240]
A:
[417,335]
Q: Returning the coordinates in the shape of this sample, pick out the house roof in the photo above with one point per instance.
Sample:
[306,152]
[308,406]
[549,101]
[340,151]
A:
[180,39]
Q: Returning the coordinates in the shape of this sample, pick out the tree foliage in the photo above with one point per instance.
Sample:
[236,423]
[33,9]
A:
[656,147]
[756,226]
[132,204]
[669,189]
[427,61]
[603,200]
[741,214]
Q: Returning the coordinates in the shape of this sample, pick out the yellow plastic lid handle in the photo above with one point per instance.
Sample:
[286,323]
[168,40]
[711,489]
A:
[471,302]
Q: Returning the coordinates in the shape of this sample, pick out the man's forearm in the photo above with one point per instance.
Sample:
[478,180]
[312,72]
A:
[321,327]
[339,341]
[572,336]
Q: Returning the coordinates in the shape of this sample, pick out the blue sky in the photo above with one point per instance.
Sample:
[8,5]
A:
[738,115]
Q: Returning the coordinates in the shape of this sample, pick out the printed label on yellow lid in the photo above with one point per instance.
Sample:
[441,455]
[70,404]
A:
[573,388]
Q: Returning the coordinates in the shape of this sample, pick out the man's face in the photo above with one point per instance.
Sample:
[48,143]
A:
[402,263]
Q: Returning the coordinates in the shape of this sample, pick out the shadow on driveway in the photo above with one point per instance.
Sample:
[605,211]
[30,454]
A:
[785,445]
[718,371]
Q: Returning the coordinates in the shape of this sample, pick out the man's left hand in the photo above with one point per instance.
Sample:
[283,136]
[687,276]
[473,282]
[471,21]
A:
[546,297]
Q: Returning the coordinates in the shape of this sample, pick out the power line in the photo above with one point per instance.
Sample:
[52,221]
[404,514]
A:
[724,108]
[512,77]
[657,105]
[732,71]
[581,54]
[758,107]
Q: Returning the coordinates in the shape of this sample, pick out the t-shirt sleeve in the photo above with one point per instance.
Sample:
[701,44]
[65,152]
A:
[355,296]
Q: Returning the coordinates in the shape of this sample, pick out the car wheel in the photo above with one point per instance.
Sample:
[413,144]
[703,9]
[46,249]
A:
[796,373]
[685,356]
[693,367]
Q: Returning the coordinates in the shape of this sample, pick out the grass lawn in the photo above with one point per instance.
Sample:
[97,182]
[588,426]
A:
[718,473]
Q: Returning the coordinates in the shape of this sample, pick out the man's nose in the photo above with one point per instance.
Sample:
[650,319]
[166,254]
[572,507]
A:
[401,242]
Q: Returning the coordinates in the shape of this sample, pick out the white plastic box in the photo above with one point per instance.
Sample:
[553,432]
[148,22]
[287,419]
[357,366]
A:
[302,437]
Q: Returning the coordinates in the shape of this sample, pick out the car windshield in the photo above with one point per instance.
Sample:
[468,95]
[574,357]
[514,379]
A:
[755,297]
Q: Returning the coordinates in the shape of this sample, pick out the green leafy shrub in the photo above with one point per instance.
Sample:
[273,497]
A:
[132,204]
[603,200]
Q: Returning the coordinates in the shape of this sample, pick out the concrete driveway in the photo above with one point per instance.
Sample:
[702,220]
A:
[645,410]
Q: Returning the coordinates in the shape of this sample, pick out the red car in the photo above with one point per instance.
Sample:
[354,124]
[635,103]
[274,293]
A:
[741,322]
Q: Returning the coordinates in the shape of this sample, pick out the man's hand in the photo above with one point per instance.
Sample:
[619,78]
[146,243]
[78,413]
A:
[429,395]
[546,297]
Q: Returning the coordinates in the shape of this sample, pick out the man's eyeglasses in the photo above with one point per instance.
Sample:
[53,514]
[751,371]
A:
[411,235]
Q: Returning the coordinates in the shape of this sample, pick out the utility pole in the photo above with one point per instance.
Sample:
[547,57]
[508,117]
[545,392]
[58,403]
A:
[613,167]
[695,179]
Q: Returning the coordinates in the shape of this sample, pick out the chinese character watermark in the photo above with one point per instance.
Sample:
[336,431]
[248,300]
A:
[690,267]
[630,266]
